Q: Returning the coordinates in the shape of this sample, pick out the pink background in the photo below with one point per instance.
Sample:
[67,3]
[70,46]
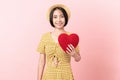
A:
[96,21]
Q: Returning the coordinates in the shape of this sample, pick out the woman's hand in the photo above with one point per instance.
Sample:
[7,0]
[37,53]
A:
[71,51]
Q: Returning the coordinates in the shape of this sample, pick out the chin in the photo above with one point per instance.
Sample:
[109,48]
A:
[59,27]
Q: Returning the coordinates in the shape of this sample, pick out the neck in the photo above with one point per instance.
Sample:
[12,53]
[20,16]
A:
[58,31]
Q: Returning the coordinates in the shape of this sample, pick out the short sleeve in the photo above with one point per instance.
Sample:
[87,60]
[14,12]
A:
[77,48]
[41,46]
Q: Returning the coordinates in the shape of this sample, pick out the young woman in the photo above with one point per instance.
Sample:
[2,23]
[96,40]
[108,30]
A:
[54,63]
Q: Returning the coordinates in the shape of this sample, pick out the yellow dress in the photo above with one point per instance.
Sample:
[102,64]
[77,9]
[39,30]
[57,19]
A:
[57,61]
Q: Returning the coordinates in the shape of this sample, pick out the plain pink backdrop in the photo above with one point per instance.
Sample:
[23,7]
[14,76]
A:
[97,22]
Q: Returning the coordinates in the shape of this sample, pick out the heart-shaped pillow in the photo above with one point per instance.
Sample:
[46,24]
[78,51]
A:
[65,39]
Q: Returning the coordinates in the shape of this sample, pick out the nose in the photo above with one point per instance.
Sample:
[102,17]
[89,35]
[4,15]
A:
[59,18]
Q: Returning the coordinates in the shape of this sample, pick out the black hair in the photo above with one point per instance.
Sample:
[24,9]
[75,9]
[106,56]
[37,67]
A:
[64,13]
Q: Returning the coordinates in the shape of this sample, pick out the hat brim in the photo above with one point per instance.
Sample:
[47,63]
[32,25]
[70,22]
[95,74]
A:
[58,5]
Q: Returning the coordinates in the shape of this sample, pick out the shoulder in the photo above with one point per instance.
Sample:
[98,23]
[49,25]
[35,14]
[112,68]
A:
[45,35]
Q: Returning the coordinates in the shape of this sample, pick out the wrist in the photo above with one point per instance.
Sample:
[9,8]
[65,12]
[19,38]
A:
[73,55]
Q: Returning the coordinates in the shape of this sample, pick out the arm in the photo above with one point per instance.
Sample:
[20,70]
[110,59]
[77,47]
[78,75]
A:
[41,66]
[71,51]
[77,57]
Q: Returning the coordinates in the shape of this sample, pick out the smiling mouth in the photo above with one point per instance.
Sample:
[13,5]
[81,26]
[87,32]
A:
[59,24]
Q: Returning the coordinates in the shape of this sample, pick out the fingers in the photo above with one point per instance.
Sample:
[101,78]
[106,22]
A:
[70,48]
[68,52]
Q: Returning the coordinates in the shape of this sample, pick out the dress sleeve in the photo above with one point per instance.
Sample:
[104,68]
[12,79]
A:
[41,46]
[77,48]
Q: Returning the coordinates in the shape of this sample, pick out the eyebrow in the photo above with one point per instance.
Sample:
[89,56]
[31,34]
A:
[59,15]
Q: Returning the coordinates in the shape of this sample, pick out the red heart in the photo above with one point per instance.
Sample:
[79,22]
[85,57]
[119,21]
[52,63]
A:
[65,39]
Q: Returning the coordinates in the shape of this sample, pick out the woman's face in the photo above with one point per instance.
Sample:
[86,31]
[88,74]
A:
[58,19]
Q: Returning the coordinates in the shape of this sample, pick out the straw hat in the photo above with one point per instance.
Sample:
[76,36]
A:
[58,5]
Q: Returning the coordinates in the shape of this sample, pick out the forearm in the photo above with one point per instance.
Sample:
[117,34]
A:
[77,57]
[71,51]
[41,66]
[40,71]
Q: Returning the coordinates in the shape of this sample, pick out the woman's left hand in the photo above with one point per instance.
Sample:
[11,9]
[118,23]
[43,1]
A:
[71,50]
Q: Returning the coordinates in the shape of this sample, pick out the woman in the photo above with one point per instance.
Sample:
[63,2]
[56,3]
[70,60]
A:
[54,63]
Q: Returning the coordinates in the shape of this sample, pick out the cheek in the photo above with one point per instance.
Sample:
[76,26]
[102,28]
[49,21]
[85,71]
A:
[63,20]
[53,20]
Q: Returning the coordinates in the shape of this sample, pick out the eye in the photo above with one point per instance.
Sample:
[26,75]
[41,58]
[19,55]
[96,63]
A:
[62,16]
[54,16]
